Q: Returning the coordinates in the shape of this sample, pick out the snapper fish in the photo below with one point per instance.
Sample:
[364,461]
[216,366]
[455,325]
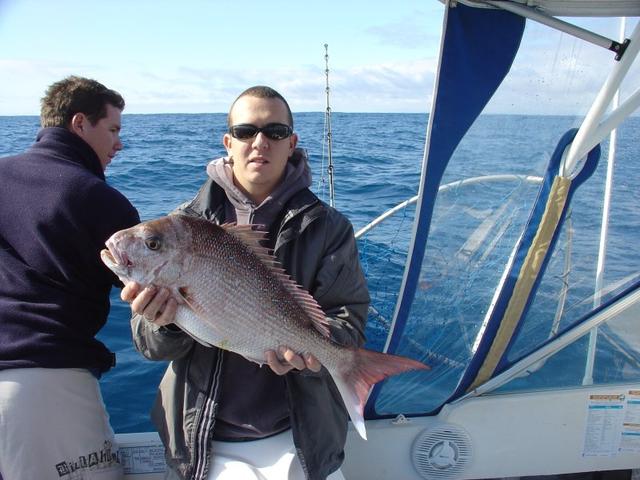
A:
[233,294]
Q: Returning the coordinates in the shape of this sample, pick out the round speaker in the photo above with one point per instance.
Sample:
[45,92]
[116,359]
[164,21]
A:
[442,452]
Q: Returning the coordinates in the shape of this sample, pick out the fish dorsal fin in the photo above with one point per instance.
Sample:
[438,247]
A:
[251,235]
[309,304]
[252,238]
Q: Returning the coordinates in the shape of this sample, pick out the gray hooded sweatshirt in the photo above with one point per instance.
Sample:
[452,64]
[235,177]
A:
[241,209]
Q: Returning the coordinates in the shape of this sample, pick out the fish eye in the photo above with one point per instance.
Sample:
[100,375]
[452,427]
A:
[152,243]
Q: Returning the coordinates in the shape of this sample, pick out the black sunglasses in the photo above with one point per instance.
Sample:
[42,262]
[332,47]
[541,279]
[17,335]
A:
[273,131]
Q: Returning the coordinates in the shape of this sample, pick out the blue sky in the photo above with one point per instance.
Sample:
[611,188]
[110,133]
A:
[196,56]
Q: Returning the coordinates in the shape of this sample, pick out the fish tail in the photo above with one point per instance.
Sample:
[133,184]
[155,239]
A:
[367,369]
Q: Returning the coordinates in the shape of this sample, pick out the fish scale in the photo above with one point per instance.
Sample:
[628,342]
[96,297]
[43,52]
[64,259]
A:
[234,295]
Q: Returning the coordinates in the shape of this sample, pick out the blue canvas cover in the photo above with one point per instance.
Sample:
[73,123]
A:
[477,50]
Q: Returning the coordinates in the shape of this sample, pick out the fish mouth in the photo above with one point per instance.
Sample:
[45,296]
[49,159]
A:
[117,261]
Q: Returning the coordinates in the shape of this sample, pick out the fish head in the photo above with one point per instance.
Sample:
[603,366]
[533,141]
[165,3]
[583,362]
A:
[151,252]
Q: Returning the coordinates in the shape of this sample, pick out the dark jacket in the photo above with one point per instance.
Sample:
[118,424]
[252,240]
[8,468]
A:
[316,246]
[56,212]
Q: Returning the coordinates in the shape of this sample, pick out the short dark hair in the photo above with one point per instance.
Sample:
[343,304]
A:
[261,91]
[65,98]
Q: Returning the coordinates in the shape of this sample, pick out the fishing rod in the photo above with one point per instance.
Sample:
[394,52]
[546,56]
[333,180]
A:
[327,121]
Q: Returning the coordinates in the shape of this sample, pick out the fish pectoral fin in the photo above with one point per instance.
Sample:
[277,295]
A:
[187,298]
[191,302]
[184,293]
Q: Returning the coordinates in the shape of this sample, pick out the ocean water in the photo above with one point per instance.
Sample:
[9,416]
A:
[377,162]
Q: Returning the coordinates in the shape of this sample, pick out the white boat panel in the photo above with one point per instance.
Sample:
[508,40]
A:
[536,433]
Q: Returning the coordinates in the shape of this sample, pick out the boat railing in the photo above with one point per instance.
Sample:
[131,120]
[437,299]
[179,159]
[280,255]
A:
[448,186]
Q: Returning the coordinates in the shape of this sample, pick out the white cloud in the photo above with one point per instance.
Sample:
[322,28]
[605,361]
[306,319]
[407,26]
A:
[559,75]
[388,87]
[400,86]
[20,79]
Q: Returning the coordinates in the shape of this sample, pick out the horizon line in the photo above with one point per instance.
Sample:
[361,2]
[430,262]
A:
[634,114]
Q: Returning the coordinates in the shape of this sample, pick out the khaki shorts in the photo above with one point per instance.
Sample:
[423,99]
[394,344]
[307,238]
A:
[53,425]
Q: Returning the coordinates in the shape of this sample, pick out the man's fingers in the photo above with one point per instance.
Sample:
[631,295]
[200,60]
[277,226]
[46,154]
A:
[168,315]
[142,299]
[312,362]
[285,359]
[130,291]
[276,365]
[293,358]
[157,304]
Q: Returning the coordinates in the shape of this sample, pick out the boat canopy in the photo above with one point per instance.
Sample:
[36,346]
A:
[573,8]
[482,296]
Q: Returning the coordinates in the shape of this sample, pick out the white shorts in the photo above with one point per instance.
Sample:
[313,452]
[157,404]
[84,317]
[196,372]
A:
[53,425]
[271,458]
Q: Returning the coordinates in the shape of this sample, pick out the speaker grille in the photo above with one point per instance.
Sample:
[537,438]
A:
[442,452]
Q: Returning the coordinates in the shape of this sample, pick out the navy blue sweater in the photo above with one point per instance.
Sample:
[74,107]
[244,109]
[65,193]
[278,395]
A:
[56,212]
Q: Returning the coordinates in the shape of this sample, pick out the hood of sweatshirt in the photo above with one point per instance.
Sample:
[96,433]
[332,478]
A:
[242,209]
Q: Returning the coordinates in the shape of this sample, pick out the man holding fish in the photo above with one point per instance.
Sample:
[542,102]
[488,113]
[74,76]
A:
[217,304]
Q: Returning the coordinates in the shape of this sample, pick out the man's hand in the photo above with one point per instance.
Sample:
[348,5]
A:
[286,360]
[156,306]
